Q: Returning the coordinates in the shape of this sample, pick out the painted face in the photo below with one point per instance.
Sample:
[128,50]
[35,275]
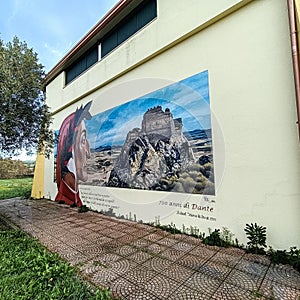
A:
[81,153]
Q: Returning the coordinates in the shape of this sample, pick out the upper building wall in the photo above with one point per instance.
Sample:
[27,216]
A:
[176,20]
[247,55]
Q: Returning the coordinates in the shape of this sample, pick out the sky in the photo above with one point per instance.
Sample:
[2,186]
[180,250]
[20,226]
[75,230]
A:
[50,27]
[187,99]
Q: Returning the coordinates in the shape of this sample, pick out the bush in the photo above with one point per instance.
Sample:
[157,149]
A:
[218,238]
[291,257]
[13,169]
[257,238]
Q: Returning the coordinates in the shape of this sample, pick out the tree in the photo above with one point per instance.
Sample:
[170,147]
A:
[10,168]
[24,116]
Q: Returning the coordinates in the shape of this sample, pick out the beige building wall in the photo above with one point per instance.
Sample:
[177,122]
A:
[245,47]
[173,23]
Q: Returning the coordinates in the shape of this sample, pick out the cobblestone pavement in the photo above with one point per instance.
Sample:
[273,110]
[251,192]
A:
[137,261]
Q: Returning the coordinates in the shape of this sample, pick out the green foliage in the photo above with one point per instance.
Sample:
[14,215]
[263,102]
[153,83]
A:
[257,238]
[291,257]
[227,236]
[24,116]
[294,258]
[83,209]
[278,256]
[220,238]
[193,231]
[259,296]
[29,271]
[215,239]
[169,228]
[10,168]
[20,187]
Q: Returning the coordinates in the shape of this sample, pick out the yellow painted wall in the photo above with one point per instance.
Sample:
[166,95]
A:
[37,191]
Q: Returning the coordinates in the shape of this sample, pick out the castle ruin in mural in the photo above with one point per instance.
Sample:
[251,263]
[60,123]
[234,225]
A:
[155,151]
[157,156]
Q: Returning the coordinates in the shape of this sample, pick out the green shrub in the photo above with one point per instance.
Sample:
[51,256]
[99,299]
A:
[214,239]
[169,228]
[257,238]
[10,168]
[291,257]
[227,236]
[278,256]
[83,209]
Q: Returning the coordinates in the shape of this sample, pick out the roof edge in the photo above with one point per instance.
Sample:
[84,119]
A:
[100,25]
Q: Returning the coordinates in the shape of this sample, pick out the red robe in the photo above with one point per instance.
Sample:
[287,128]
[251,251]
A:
[68,195]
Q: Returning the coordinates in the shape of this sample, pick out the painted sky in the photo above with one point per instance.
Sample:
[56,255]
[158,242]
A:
[51,27]
[187,99]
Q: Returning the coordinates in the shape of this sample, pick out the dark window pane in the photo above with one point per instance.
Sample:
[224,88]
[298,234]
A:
[80,66]
[109,43]
[141,16]
[92,57]
[146,14]
[70,75]
[87,60]
[127,30]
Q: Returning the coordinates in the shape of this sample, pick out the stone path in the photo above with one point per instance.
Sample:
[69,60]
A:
[137,261]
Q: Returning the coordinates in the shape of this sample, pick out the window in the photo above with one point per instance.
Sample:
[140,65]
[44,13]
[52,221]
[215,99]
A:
[82,64]
[136,20]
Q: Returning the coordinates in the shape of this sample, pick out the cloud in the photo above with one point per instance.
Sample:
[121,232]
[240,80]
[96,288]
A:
[118,130]
[54,51]
[184,101]
[50,54]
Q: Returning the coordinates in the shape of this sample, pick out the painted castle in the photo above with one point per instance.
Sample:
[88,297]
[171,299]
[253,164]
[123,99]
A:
[161,122]
[155,150]
[158,123]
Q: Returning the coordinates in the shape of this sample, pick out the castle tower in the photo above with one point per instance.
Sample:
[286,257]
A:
[157,121]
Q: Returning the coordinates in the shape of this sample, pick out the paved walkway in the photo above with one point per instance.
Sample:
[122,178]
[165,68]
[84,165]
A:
[137,261]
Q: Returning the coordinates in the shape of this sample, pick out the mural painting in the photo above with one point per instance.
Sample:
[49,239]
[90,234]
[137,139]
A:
[72,152]
[159,142]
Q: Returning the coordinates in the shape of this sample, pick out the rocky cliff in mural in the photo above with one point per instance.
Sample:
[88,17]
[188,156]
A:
[154,156]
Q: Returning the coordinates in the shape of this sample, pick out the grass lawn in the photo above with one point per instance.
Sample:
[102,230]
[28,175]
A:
[18,187]
[29,271]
